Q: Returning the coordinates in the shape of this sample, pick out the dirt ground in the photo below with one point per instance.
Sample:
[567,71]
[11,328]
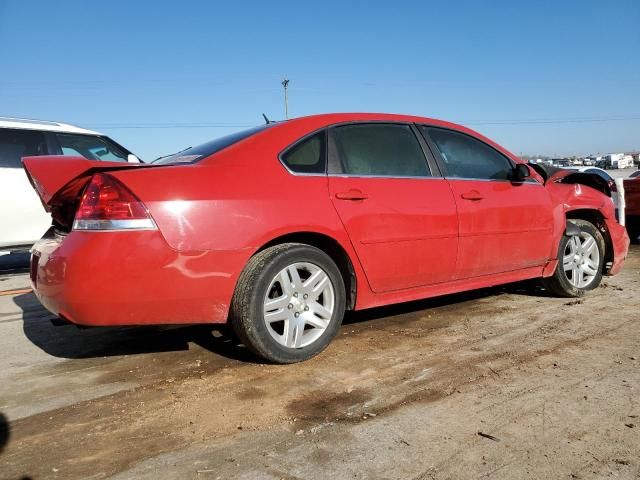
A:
[499,383]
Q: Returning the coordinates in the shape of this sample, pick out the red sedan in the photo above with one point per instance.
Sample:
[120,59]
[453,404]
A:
[281,228]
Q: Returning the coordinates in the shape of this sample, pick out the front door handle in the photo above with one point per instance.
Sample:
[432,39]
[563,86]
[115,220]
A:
[472,195]
[353,194]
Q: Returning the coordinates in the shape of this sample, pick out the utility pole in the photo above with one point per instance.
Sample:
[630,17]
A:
[285,84]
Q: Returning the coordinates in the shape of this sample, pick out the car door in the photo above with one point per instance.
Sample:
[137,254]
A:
[398,211]
[22,218]
[503,225]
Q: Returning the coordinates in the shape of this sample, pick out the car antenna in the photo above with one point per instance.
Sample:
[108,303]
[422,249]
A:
[266,119]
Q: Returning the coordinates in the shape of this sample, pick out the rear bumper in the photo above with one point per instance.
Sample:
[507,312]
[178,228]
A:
[620,243]
[131,278]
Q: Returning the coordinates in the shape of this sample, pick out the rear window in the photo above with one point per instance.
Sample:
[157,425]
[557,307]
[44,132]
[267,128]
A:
[193,154]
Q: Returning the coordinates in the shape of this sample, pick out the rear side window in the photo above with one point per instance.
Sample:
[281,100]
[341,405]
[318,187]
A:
[389,150]
[467,157]
[15,144]
[91,147]
[307,156]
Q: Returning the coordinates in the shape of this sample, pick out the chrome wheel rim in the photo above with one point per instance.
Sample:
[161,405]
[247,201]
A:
[581,260]
[299,305]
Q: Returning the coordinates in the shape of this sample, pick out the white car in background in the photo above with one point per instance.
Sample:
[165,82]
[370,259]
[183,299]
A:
[23,220]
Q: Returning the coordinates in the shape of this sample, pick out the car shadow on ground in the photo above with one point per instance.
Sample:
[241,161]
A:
[531,288]
[72,342]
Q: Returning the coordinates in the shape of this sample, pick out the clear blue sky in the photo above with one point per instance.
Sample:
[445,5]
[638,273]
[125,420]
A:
[506,68]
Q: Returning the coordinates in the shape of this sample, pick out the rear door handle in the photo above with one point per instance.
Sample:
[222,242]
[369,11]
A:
[472,195]
[353,194]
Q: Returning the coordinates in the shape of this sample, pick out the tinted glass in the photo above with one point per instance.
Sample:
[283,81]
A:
[307,156]
[466,157]
[193,154]
[91,147]
[15,144]
[380,149]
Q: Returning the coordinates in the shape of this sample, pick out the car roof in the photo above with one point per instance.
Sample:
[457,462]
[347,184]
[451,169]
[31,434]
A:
[326,119]
[43,125]
[314,122]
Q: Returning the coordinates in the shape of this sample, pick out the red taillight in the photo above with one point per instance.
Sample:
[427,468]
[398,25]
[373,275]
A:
[107,204]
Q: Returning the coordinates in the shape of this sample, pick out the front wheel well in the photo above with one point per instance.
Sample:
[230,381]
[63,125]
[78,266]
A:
[332,248]
[596,218]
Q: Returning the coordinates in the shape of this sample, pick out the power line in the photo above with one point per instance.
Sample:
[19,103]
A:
[552,121]
[108,126]
[533,121]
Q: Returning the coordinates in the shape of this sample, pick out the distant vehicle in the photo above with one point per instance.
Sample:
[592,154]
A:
[561,162]
[621,163]
[632,199]
[604,164]
[279,229]
[22,220]
[588,162]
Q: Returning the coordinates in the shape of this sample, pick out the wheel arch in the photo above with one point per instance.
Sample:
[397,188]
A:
[596,218]
[331,247]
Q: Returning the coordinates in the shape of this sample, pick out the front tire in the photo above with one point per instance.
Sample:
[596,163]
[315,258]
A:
[289,303]
[580,262]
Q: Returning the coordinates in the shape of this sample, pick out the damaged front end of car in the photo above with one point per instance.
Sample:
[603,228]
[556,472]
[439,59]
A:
[594,197]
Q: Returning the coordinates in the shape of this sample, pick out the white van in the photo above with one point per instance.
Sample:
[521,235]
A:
[23,220]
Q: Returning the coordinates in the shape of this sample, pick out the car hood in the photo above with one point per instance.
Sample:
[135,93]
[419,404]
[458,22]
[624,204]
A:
[564,175]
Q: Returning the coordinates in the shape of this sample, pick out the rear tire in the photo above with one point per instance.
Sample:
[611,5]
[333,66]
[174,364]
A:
[580,262]
[289,303]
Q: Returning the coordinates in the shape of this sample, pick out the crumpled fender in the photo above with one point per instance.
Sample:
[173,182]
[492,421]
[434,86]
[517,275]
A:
[570,197]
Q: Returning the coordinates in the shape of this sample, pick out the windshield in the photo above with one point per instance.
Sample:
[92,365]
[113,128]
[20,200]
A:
[91,147]
[193,154]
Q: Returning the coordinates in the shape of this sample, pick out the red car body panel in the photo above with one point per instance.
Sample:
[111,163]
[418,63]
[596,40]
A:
[632,196]
[496,223]
[409,239]
[407,233]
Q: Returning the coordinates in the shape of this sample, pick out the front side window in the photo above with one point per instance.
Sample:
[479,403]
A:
[15,144]
[466,157]
[389,150]
[90,147]
[307,156]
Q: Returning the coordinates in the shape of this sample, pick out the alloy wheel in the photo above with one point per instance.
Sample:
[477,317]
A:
[299,305]
[581,260]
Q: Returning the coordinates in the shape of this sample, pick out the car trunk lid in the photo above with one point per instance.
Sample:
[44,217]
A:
[60,180]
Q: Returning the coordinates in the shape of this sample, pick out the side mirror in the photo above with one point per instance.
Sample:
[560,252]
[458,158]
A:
[131,158]
[520,172]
